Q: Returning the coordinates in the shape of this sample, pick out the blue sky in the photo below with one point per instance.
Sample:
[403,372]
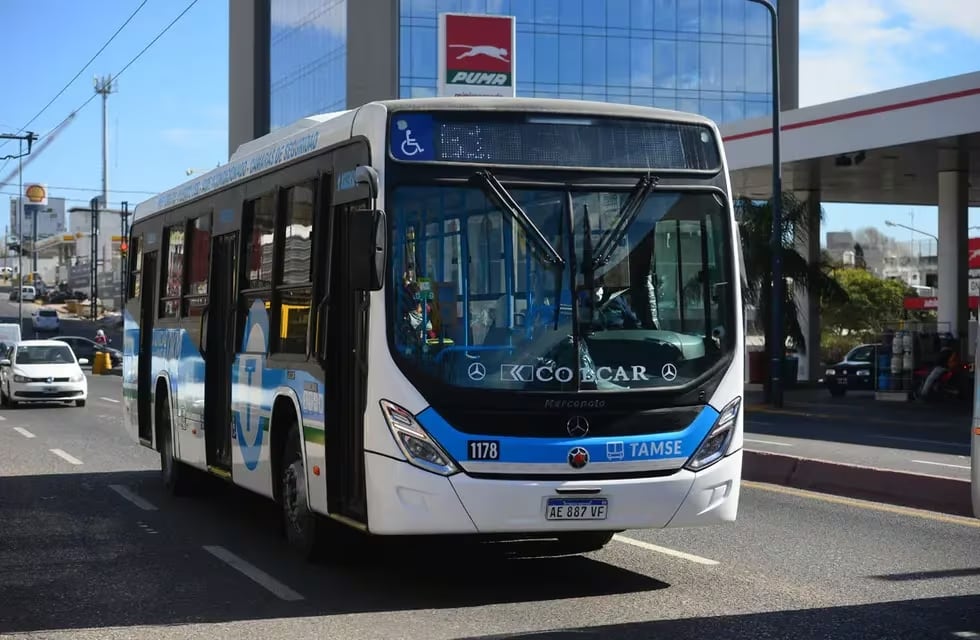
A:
[170,113]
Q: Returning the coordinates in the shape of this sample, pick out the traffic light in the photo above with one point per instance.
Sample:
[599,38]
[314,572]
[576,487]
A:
[123,247]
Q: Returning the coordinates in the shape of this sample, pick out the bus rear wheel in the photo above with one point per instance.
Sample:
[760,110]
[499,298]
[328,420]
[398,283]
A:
[305,530]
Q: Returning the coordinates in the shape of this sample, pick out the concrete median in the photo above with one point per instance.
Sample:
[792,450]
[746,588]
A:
[920,491]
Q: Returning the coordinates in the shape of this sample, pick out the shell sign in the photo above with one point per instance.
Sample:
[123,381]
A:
[36,194]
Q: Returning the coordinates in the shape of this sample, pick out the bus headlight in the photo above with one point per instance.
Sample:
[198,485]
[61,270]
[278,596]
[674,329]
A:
[420,450]
[715,444]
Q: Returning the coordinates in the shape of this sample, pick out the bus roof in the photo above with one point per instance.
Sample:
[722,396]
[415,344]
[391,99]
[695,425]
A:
[315,132]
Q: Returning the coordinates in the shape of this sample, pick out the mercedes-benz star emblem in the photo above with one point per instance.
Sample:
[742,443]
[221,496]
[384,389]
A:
[669,372]
[477,371]
[577,426]
[578,457]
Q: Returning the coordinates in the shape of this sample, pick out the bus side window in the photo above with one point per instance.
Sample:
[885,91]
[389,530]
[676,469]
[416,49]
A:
[295,289]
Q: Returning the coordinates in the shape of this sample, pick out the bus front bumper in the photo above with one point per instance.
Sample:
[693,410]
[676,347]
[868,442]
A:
[405,500]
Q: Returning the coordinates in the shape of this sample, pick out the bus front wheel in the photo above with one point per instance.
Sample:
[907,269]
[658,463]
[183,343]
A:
[176,476]
[305,530]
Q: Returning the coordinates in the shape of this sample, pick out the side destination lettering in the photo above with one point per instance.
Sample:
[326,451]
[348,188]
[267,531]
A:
[283,152]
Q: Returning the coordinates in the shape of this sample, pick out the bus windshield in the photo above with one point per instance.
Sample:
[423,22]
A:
[548,289]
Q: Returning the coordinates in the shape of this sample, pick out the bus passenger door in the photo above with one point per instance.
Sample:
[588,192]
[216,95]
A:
[219,350]
[346,380]
[144,366]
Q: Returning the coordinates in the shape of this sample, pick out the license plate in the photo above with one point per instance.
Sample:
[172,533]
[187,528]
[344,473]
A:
[576,508]
[51,390]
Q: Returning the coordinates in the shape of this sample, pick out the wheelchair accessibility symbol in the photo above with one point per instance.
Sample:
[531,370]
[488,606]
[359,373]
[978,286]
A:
[410,146]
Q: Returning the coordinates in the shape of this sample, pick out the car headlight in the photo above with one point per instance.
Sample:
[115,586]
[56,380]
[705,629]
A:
[20,378]
[715,444]
[420,450]
[830,372]
[78,377]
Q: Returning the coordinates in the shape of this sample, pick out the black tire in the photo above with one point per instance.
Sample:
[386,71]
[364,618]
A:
[79,403]
[583,541]
[175,475]
[306,531]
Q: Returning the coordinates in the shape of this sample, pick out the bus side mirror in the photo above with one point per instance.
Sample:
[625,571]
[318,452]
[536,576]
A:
[368,250]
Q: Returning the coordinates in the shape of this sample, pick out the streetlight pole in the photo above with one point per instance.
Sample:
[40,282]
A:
[778,286]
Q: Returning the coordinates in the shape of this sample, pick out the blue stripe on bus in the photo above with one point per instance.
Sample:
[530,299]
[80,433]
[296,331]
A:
[514,449]
[253,382]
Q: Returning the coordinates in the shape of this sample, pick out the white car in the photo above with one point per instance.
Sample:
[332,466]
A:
[46,321]
[42,371]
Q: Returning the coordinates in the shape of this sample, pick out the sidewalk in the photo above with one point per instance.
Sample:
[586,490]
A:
[907,453]
[816,402]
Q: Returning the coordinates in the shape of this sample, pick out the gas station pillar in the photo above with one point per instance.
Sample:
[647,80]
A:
[808,303]
[953,231]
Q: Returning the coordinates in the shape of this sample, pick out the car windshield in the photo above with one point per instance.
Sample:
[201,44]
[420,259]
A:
[480,300]
[48,314]
[47,354]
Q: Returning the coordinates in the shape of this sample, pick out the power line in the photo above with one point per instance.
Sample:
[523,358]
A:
[90,61]
[137,191]
[135,58]
[14,194]
[128,64]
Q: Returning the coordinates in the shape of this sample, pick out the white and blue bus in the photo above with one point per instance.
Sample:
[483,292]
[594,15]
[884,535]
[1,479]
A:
[499,317]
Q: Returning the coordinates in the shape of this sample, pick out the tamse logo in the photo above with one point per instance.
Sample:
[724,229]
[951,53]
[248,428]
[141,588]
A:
[479,50]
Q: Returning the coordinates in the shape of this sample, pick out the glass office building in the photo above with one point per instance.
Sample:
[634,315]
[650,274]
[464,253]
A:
[708,56]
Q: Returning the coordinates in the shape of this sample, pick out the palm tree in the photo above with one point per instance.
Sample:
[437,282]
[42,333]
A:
[755,227]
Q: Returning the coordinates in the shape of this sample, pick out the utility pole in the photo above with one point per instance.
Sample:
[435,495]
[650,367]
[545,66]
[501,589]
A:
[28,137]
[104,86]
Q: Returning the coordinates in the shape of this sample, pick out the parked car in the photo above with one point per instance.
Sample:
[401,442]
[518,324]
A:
[856,372]
[45,321]
[42,371]
[87,348]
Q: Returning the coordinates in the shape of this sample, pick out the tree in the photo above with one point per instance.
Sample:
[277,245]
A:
[859,261]
[755,228]
[871,303]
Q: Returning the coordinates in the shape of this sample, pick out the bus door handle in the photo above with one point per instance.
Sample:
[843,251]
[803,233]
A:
[320,337]
[204,329]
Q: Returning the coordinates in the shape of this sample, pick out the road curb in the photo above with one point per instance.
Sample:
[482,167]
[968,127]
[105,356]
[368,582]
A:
[919,491]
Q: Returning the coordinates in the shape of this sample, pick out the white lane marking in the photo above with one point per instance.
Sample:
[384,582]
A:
[966,634]
[260,577]
[943,464]
[132,497]
[24,432]
[664,550]
[66,456]
[109,399]
[953,445]
[2,418]
[772,442]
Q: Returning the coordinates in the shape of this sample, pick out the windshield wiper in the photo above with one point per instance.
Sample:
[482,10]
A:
[627,214]
[502,198]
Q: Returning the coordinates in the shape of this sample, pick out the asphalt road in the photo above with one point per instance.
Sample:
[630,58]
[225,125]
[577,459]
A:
[90,547]
[69,326]
[870,437]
